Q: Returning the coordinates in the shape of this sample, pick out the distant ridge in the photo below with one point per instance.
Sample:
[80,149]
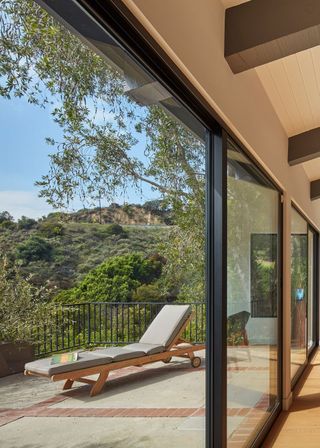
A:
[59,249]
[150,213]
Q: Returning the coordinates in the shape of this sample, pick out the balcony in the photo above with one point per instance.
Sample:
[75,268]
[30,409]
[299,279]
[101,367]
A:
[150,406]
[137,403]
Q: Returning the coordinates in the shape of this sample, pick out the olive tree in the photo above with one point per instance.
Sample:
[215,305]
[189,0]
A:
[100,125]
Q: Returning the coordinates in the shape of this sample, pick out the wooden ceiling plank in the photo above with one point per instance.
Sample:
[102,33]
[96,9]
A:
[275,98]
[304,147]
[266,30]
[308,74]
[315,189]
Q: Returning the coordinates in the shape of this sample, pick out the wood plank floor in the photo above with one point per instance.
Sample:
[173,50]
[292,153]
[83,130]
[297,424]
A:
[300,426]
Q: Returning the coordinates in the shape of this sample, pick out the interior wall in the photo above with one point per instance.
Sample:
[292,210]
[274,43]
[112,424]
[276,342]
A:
[262,218]
[192,33]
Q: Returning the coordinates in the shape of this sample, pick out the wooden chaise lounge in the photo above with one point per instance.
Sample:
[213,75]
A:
[161,341]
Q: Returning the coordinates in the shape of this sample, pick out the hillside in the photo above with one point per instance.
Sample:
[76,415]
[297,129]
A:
[151,213]
[60,249]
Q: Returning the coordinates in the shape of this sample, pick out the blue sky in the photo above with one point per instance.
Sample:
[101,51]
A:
[24,158]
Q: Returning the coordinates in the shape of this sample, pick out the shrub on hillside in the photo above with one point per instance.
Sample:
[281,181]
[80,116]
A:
[34,249]
[23,307]
[148,293]
[105,231]
[115,280]
[115,229]
[26,223]
[7,225]
[51,229]
[128,209]
[5,216]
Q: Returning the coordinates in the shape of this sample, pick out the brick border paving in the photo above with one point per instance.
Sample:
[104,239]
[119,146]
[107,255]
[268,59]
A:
[238,438]
[254,416]
[44,409]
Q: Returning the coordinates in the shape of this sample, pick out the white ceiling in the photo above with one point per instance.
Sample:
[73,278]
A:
[312,169]
[293,87]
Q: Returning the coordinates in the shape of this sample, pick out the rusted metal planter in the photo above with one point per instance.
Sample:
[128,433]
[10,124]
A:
[13,357]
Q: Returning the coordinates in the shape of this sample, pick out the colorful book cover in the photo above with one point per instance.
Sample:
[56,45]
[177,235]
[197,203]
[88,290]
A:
[62,358]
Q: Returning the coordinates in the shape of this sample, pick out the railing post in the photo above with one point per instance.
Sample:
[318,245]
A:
[125,322]
[89,323]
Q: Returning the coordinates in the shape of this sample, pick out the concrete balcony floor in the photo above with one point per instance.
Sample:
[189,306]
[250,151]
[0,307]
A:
[160,405]
[154,406]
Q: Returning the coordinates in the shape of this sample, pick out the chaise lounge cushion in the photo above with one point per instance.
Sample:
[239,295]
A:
[158,338]
[166,325]
[146,349]
[85,359]
[118,353]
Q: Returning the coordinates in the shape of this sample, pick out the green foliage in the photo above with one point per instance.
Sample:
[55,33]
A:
[160,207]
[115,280]
[234,333]
[26,223]
[51,229]
[128,210]
[109,231]
[64,296]
[264,274]
[148,293]
[7,225]
[80,248]
[6,221]
[115,229]
[23,308]
[34,249]
[42,61]
[5,216]
[299,267]
[156,206]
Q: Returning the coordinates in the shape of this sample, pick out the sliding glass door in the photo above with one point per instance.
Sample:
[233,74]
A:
[303,291]
[253,298]
[299,291]
[132,158]
[311,309]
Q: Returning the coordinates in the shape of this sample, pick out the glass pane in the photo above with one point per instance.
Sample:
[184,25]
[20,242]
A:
[311,338]
[299,291]
[119,242]
[253,294]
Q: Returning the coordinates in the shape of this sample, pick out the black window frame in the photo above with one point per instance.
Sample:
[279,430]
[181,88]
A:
[316,306]
[260,310]
[257,439]
[315,287]
[122,25]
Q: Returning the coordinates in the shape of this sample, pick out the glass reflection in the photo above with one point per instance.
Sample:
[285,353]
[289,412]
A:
[252,302]
[311,242]
[299,291]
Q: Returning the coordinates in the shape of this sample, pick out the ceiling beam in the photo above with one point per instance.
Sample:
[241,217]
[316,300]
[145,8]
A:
[304,147]
[261,31]
[315,190]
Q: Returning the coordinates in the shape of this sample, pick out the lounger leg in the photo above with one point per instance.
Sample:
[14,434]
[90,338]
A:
[68,385]
[96,388]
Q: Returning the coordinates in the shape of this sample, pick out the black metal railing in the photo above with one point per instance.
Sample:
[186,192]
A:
[264,308]
[105,323]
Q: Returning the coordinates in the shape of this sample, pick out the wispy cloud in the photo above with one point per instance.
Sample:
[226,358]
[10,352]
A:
[100,115]
[25,203]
